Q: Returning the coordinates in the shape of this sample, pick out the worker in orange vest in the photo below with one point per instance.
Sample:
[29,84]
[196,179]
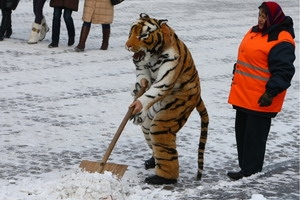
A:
[262,74]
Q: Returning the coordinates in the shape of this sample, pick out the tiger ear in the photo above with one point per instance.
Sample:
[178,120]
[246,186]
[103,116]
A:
[165,29]
[144,16]
[162,21]
[163,25]
[167,34]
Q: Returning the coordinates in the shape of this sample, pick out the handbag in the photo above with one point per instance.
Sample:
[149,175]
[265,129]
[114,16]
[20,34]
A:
[116,2]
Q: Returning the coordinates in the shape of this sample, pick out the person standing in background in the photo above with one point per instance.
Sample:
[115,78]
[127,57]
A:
[39,26]
[96,12]
[6,9]
[68,6]
[262,74]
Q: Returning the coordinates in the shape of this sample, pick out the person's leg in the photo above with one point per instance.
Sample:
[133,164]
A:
[55,27]
[36,32]
[105,36]
[85,29]
[240,128]
[38,6]
[5,22]
[70,26]
[255,140]
[34,8]
[40,18]
[8,31]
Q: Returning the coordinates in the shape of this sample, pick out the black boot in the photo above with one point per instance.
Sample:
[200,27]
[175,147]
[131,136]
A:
[105,38]
[157,180]
[53,45]
[235,175]
[71,41]
[8,33]
[150,163]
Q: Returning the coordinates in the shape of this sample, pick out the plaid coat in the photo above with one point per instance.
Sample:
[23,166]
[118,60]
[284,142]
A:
[98,11]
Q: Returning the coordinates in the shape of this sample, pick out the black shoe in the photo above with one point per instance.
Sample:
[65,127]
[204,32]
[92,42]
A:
[52,45]
[8,33]
[150,163]
[157,180]
[235,175]
[1,37]
[71,41]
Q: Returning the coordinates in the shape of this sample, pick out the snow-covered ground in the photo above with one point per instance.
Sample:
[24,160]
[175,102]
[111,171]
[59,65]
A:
[59,107]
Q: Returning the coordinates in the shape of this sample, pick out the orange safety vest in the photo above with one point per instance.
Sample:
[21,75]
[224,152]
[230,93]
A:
[252,73]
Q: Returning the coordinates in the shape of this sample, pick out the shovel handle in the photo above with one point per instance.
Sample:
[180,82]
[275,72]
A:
[119,131]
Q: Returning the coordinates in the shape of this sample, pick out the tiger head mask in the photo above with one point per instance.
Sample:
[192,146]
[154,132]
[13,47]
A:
[147,37]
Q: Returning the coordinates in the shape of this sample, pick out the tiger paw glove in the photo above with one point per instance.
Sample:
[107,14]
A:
[265,100]
[136,88]
[138,119]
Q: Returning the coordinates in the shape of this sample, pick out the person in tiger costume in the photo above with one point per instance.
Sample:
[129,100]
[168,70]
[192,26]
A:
[164,65]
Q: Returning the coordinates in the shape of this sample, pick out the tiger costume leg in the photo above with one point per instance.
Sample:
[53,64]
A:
[166,119]
[166,158]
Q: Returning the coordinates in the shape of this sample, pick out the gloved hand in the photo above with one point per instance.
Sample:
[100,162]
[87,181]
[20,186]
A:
[137,87]
[138,118]
[265,100]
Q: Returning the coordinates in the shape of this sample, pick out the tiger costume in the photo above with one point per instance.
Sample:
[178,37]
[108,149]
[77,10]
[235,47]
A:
[164,62]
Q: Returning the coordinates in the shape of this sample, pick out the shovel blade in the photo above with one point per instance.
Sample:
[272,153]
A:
[92,167]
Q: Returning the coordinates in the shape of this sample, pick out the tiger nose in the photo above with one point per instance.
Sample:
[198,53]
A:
[127,46]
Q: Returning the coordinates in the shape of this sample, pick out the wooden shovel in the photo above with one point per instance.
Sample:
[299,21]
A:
[117,169]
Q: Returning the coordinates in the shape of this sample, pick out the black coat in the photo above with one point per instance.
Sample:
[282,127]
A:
[71,4]
[9,4]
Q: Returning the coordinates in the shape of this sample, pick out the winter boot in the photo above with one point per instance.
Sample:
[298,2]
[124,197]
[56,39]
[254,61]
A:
[8,32]
[35,33]
[105,38]
[157,180]
[83,36]
[71,41]
[44,29]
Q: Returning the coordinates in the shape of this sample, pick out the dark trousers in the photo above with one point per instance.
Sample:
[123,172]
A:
[251,136]
[38,6]
[5,22]
[56,23]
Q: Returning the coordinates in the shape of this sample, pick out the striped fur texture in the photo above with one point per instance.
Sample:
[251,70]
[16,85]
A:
[173,92]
